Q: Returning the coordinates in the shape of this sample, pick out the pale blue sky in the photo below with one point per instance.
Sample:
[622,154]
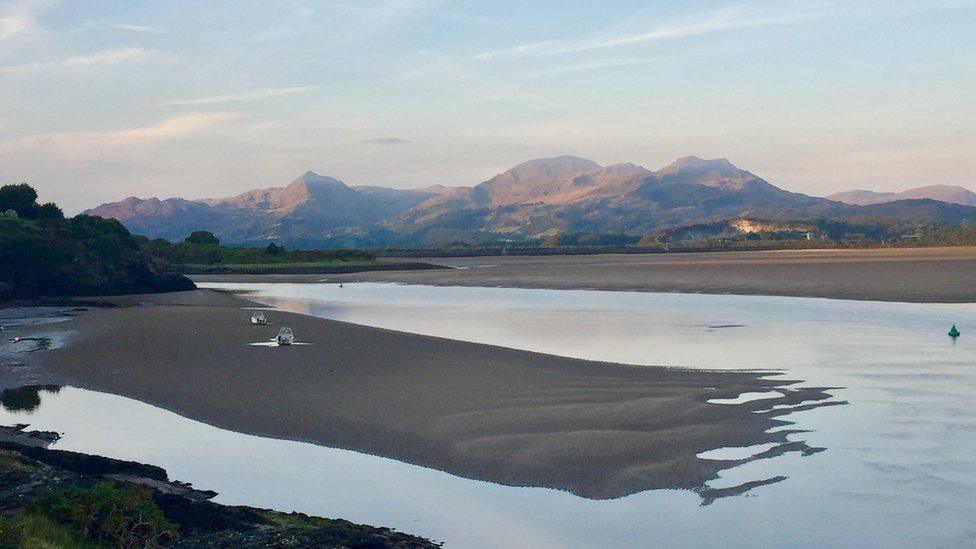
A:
[102,100]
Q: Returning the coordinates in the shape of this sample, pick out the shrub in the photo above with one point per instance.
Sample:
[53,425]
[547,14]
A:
[19,198]
[106,513]
[36,530]
[84,255]
[202,237]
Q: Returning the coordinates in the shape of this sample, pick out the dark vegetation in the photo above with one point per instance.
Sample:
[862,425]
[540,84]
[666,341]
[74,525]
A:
[202,253]
[53,498]
[855,233]
[45,255]
[203,248]
[42,253]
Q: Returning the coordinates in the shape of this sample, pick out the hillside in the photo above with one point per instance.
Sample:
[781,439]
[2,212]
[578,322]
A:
[42,254]
[943,193]
[529,202]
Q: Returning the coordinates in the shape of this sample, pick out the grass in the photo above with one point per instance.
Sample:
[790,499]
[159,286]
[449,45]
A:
[37,531]
[103,515]
[296,520]
[117,515]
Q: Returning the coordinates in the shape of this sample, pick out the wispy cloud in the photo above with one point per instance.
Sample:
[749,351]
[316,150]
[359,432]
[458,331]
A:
[84,143]
[143,29]
[595,64]
[241,96]
[19,18]
[715,21]
[114,55]
[386,141]
[102,57]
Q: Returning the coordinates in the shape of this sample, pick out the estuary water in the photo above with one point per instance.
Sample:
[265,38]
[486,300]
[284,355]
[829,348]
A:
[898,469]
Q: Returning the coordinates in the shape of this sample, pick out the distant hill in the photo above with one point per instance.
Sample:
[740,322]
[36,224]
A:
[532,201]
[943,193]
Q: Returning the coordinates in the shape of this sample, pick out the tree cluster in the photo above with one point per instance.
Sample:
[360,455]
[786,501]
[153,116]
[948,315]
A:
[42,253]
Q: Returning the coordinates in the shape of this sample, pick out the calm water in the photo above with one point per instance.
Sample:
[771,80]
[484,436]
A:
[899,470]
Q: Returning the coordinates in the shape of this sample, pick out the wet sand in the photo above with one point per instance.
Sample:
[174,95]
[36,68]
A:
[513,417]
[919,275]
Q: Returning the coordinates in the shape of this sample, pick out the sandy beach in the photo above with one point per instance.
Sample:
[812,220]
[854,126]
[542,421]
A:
[598,430]
[919,275]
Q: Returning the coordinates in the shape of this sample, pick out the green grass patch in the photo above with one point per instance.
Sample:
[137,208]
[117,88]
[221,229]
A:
[296,520]
[106,514]
[38,531]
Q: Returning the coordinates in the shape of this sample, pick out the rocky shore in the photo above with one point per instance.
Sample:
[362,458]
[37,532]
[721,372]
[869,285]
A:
[133,504]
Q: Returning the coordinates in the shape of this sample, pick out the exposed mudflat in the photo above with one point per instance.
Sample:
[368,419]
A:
[918,275]
[513,417]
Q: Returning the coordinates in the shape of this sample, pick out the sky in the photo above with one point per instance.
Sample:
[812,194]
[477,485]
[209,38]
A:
[101,100]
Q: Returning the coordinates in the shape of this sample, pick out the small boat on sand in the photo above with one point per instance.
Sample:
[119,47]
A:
[285,336]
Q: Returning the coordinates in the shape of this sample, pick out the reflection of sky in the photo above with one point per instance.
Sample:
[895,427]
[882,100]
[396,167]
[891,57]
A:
[897,472]
[805,335]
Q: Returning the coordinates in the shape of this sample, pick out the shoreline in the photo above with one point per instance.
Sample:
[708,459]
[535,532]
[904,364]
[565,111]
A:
[298,269]
[913,275]
[32,471]
[476,411]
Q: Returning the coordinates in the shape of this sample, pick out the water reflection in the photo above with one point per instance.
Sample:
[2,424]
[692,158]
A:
[899,469]
[25,399]
[295,476]
[899,472]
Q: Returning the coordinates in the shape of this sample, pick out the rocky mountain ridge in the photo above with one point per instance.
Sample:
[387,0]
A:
[533,200]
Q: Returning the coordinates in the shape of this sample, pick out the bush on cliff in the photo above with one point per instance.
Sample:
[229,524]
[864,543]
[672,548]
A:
[44,254]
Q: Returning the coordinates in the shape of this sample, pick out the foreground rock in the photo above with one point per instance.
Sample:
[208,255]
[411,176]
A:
[31,474]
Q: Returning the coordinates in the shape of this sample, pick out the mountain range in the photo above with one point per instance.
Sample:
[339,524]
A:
[531,201]
[943,193]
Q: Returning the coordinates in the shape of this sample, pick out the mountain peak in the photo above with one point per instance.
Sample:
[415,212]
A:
[533,180]
[716,173]
[544,170]
[565,165]
[312,177]
[702,169]
[720,166]
[310,186]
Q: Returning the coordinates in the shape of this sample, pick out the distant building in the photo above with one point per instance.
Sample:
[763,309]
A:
[12,214]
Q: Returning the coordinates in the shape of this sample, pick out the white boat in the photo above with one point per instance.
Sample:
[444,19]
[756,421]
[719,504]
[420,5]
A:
[285,336]
[259,319]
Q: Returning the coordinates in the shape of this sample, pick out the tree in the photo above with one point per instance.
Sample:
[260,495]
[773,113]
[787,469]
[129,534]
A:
[20,198]
[202,237]
[49,210]
[273,249]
